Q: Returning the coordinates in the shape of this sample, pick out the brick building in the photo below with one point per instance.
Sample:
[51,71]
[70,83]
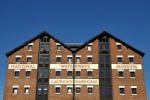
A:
[103,68]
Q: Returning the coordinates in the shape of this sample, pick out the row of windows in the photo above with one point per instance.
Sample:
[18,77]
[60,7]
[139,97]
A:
[17,73]
[121,73]
[119,60]
[15,89]
[18,59]
[133,90]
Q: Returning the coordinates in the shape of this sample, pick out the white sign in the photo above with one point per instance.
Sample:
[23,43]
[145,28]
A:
[22,66]
[77,81]
[126,66]
[77,66]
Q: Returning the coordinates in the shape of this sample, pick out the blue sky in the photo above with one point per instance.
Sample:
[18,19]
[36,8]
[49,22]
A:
[74,21]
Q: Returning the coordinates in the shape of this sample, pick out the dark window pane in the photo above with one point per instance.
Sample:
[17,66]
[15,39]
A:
[122,91]
[134,91]
[18,59]
[69,73]
[89,73]
[58,59]
[120,73]
[57,73]
[131,60]
[78,73]
[78,89]
[57,90]
[119,59]
[90,90]
[30,47]
[17,73]
[29,59]
[118,47]
[132,74]
[28,73]
[89,59]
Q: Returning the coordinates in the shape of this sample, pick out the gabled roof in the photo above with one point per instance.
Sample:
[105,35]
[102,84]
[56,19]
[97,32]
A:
[104,33]
[34,38]
[76,46]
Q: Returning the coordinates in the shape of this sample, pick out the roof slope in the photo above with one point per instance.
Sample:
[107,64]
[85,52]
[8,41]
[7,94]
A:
[78,47]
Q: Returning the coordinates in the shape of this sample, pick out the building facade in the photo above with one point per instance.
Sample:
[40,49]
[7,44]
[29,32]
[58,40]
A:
[103,68]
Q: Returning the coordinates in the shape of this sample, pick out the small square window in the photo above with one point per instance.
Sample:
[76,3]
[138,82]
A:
[69,90]
[28,73]
[29,59]
[26,90]
[119,60]
[78,59]
[89,59]
[90,90]
[78,90]
[57,73]
[18,59]
[58,59]
[132,74]
[120,74]
[58,47]
[89,47]
[122,91]
[118,47]
[134,91]
[15,91]
[90,73]
[69,73]
[77,73]
[17,73]
[69,59]
[30,47]
[57,90]
[131,60]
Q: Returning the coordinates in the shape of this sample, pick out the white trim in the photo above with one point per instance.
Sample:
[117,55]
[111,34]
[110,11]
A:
[57,69]
[69,56]
[69,85]
[77,69]
[120,70]
[58,44]
[121,86]
[119,56]
[26,86]
[131,70]
[117,43]
[29,56]
[133,86]
[31,44]
[58,55]
[130,55]
[78,55]
[28,69]
[15,86]
[89,86]
[57,86]
[89,56]
[17,70]
[90,44]
[78,86]
[89,69]
[18,56]
[69,69]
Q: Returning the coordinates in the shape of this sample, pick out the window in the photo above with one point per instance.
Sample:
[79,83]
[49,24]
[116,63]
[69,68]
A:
[69,90]
[134,90]
[132,74]
[30,47]
[118,47]
[122,90]
[89,48]
[57,90]
[58,47]
[58,59]
[89,59]
[28,73]
[90,90]
[18,59]
[77,73]
[39,91]
[45,39]
[120,73]
[78,90]
[29,59]
[131,60]
[17,73]
[119,60]
[90,73]
[45,91]
[69,73]
[15,90]
[26,90]
[69,59]
[57,73]
[78,60]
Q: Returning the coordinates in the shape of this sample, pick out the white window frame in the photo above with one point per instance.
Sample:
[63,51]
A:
[119,89]
[131,56]
[136,90]
[58,44]
[60,57]
[78,86]
[69,86]
[132,70]
[15,92]
[30,44]
[56,87]
[90,86]
[69,56]
[30,72]
[120,70]
[29,56]
[89,47]
[26,86]
[18,56]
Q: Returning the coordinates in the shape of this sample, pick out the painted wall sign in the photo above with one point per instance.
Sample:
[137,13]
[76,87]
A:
[77,66]
[126,66]
[77,81]
[22,66]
